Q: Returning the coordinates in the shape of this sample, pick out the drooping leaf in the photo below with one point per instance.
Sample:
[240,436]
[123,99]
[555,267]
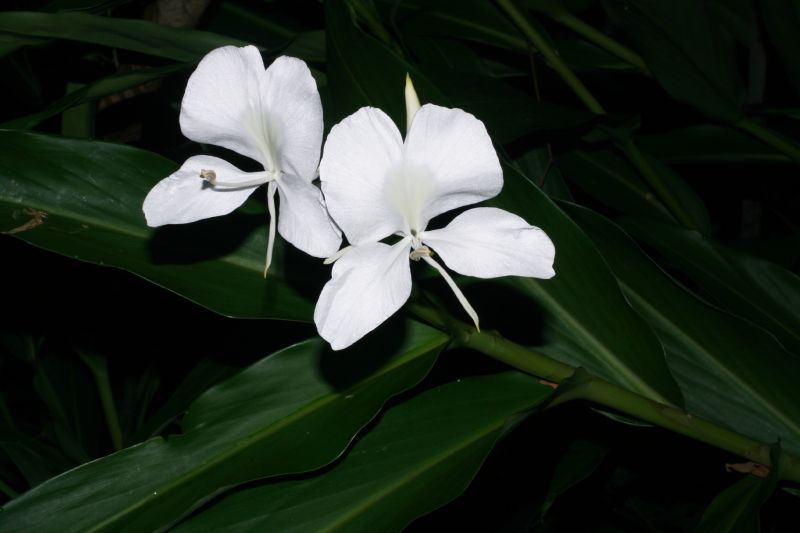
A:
[128,34]
[83,199]
[693,58]
[731,371]
[37,461]
[293,411]
[758,290]
[420,455]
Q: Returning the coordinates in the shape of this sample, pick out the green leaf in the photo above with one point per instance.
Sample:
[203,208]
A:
[758,290]
[588,321]
[36,460]
[693,58]
[128,34]
[469,20]
[291,412]
[103,87]
[737,508]
[731,371]
[709,144]
[781,19]
[83,199]
[577,463]
[363,71]
[420,455]
[611,180]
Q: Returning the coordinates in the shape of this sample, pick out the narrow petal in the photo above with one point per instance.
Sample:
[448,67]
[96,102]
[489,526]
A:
[369,284]
[222,102]
[453,148]
[293,115]
[487,242]
[303,219]
[185,197]
[360,153]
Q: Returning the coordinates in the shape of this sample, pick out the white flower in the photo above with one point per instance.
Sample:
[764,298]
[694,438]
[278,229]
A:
[273,116]
[376,185]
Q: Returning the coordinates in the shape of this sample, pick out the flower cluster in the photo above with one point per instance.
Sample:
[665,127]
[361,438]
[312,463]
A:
[376,186]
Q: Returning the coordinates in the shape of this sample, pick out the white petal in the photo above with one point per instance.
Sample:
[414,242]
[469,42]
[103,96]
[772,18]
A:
[359,154]
[303,219]
[456,152]
[369,283]
[294,116]
[222,102]
[185,197]
[487,242]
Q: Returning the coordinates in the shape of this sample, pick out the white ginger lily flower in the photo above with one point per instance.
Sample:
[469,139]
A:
[273,116]
[376,185]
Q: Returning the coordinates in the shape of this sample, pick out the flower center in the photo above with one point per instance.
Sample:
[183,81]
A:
[409,189]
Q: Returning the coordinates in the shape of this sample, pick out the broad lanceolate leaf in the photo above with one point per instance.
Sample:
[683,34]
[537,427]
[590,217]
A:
[84,199]
[583,299]
[730,370]
[420,455]
[291,412]
[127,34]
[758,290]
[693,58]
[587,319]
[579,462]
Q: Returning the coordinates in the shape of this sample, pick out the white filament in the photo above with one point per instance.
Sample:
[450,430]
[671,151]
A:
[460,295]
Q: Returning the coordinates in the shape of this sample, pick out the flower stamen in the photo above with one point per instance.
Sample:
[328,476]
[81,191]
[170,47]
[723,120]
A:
[460,295]
[272,223]
[420,252]
[267,176]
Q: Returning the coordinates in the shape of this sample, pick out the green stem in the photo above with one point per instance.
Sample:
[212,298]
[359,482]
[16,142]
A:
[97,364]
[644,167]
[602,40]
[771,138]
[551,57]
[7,490]
[604,393]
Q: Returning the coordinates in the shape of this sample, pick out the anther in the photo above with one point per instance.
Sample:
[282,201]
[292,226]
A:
[209,175]
[419,253]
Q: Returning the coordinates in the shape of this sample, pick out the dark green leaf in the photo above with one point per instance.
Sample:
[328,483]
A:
[781,19]
[420,455]
[83,199]
[755,289]
[588,321]
[127,34]
[731,371]
[103,87]
[737,508]
[36,460]
[709,144]
[291,412]
[692,58]
[579,462]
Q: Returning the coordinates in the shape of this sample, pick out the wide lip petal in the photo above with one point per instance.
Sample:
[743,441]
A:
[303,219]
[184,197]
[455,150]
[358,156]
[222,97]
[293,112]
[369,284]
[487,242]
